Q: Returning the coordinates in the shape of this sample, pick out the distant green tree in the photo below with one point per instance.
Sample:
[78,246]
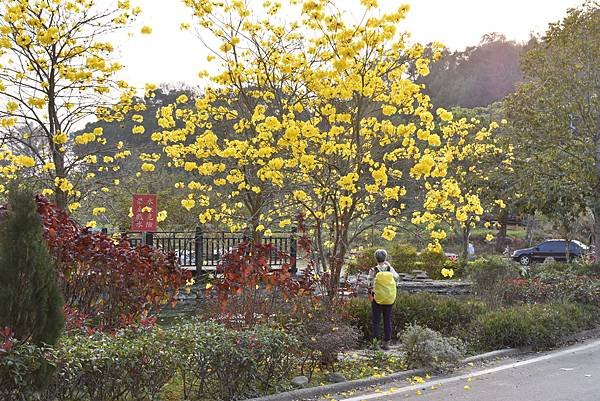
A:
[478,76]
[555,116]
[30,301]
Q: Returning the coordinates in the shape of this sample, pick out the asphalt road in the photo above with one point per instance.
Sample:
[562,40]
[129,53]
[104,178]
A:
[570,374]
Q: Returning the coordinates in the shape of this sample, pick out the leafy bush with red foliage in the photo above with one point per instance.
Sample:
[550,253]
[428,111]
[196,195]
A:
[105,281]
[248,290]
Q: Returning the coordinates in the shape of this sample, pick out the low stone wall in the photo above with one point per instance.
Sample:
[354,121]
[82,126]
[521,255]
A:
[417,283]
[441,287]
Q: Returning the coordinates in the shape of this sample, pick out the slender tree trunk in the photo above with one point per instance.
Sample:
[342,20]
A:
[255,204]
[596,198]
[58,156]
[337,259]
[60,197]
[321,259]
[596,231]
[530,227]
[501,237]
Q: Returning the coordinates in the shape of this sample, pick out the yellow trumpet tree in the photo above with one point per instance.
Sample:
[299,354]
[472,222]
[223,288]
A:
[56,71]
[319,116]
[470,187]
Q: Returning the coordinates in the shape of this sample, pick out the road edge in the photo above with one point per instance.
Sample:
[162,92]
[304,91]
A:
[311,392]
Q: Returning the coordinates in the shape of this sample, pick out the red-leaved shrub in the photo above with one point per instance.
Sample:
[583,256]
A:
[249,291]
[104,280]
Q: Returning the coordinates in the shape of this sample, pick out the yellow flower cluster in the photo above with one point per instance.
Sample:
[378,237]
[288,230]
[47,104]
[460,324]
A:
[324,121]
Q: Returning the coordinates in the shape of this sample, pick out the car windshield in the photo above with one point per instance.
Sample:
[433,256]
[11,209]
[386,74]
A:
[580,244]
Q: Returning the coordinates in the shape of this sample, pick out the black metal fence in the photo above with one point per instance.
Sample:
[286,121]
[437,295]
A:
[202,251]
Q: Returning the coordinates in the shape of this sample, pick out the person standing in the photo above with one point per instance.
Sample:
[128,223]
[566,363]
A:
[383,281]
[470,251]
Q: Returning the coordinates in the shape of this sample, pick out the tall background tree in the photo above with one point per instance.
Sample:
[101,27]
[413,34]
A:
[56,71]
[555,116]
[324,118]
[477,76]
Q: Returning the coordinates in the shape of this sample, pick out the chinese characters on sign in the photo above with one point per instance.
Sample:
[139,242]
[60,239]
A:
[145,210]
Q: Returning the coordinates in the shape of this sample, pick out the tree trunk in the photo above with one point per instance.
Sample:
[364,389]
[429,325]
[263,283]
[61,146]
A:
[321,265]
[596,198]
[530,227]
[336,261]
[58,155]
[60,197]
[501,237]
[595,240]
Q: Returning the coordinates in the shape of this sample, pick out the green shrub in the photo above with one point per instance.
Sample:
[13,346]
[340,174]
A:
[322,338]
[403,257]
[198,361]
[441,313]
[553,271]
[24,368]
[444,314]
[102,367]
[589,269]
[30,301]
[539,326]
[216,362]
[489,277]
[432,263]
[428,349]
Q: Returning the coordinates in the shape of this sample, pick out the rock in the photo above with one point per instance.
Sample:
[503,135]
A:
[336,377]
[300,381]
[405,277]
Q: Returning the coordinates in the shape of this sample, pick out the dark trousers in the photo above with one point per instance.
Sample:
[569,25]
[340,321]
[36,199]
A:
[378,310]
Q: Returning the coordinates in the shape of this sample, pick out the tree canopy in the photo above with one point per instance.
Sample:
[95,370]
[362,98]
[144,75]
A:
[555,113]
[321,116]
[56,71]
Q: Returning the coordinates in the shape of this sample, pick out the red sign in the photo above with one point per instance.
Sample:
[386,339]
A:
[145,210]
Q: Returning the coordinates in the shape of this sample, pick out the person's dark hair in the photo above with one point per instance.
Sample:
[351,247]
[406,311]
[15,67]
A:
[381,255]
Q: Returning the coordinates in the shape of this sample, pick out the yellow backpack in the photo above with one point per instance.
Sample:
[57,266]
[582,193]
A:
[384,287]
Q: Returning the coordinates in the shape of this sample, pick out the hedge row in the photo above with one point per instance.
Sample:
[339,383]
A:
[192,361]
[538,326]
[447,315]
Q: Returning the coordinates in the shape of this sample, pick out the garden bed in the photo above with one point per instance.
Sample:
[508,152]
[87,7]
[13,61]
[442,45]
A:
[208,361]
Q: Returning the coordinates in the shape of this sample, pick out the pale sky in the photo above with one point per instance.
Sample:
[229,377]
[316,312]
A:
[170,55]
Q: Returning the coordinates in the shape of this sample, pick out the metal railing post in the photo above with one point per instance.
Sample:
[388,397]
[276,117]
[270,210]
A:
[198,238]
[149,239]
[294,250]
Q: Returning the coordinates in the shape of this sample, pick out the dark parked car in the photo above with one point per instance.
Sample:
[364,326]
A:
[558,249]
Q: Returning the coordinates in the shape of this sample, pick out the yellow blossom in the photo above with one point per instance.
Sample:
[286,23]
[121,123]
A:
[148,167]
[98,210]
[389,233]
[188,203]
[73,206]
